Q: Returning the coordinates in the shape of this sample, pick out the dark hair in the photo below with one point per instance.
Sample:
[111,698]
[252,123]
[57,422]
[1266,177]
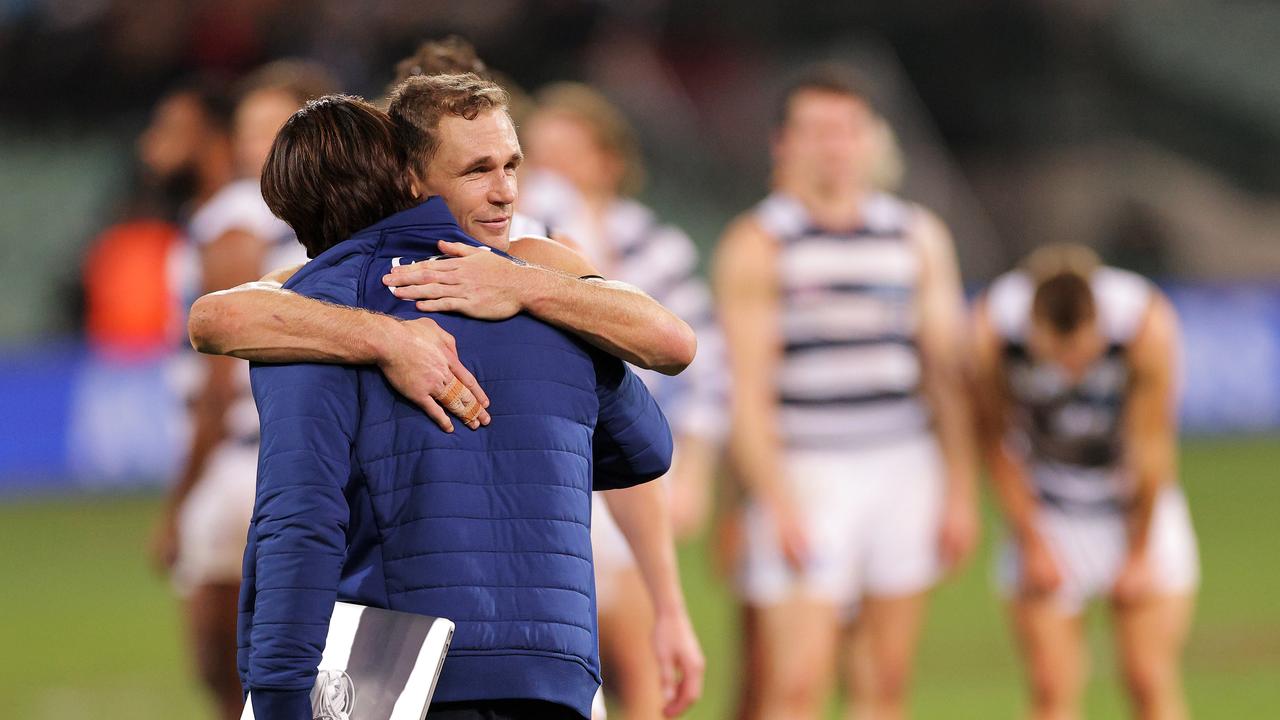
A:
[828,77]
[1064,302]
[212,94]
[302,80]
[334,169]
[451,55]
[418,103]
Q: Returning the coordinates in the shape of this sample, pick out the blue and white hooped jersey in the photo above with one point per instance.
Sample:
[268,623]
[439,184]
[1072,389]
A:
[1071,433]
[850,373]
[634,245]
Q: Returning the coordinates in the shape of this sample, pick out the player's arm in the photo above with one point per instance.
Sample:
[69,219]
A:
[1150,422]
[612,316]
[643,515]
[745,281]
[941,318]
[298,537]
[260,321]
[632,444]
[1008,473]
[230,259]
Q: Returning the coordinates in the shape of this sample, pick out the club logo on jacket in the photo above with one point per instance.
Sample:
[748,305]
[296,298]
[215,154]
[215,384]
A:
[333,697]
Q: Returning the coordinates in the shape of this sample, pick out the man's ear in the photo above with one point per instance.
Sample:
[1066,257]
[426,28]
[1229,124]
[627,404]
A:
[416,185]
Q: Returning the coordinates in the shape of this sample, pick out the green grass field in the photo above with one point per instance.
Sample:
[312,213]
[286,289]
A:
[89,632]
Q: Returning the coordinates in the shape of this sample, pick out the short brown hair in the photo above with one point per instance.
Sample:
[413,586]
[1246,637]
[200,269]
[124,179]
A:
[302,80]
[451,55]
[334,169]
[418,103]
[454,55]
[827,77]
[1064,295]
[604,120]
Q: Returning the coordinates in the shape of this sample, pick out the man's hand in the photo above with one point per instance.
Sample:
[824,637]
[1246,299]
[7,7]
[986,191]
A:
[474,282]
[1040,572]
[680,662]
[421,361]
[958,534]
[1135,581]
[792,536]
[164,542]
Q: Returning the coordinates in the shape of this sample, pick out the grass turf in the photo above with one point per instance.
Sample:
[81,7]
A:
[89,632]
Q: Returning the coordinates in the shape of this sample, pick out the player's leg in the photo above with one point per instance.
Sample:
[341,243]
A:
[211,624]
[855,668]
[796,612]
[797,645]
[1051,640]
[905,511]
[750,666]
[884,647]
[213,524]
[1150,635]
[626,647]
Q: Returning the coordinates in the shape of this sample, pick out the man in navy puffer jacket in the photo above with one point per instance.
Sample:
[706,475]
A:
[361,498]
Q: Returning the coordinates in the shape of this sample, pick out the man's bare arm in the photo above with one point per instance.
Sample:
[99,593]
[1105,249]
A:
[941,313]
[1151,418]
[1008,474]
[643,516]
[262,322]
[1009,478]
[615,317]
[228,259]
[745,281]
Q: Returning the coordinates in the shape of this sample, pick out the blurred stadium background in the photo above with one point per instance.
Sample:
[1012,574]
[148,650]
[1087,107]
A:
[1149,130]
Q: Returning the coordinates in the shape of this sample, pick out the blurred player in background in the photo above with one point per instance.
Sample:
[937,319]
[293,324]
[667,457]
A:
[201,535]
[583,168]
[1077,367]
[851,429]
[139,269]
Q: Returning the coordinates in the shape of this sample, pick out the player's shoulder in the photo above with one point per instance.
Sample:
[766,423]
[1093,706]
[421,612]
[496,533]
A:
[549,253]
[237,206]
[1006,304]
[526,226]
[1124,299]
[779,215]
[335,275]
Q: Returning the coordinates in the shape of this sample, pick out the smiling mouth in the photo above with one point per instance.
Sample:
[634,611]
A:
[499,222]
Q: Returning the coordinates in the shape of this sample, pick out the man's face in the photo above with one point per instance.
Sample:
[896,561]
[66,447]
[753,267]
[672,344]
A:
[566,146]
[170,144]
[258,118]
[1074,352]
[474,171]
[828,139]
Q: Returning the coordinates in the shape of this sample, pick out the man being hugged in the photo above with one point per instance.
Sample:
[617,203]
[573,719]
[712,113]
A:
[361,498]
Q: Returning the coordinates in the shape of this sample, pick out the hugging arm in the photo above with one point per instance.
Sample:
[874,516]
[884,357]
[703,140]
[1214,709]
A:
[263,322]
[613,316]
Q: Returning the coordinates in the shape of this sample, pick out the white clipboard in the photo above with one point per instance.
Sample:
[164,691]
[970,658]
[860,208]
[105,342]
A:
[377,665]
